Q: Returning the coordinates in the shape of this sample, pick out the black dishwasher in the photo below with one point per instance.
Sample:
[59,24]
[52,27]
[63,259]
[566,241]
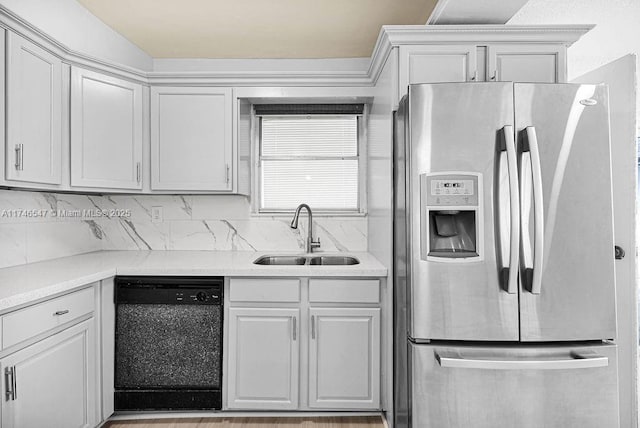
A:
[168,351]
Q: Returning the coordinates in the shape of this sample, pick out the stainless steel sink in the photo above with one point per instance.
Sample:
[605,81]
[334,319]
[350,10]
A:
[280,260]
[302,260]
[333,260]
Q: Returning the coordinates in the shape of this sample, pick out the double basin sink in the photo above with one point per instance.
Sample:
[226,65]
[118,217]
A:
[307,260]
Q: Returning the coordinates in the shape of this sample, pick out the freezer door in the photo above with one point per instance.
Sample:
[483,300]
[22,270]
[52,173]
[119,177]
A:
[463,131]
[567,272]
[523,386]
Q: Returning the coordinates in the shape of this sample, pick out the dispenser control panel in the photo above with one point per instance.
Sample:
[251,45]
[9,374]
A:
[450,189]
[451,217]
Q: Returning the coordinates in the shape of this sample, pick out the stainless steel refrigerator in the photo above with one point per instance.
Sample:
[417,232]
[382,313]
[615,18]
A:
[505,312]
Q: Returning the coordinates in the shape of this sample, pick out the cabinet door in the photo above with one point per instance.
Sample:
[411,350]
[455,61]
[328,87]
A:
[54,382]
[434,64]
[191,139]
[106,131]
[34,105]
[344,358]
[263,358]
[535,64]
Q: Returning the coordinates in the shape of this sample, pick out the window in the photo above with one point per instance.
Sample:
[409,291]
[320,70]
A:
[310,158]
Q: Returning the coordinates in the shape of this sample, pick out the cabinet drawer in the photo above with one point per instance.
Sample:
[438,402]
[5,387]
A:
[264,290]
[28,322]
[344,290]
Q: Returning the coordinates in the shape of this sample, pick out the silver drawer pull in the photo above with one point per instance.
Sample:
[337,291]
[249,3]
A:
[576,360]
[66,311]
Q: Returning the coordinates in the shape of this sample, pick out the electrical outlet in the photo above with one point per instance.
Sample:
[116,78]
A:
[156,215]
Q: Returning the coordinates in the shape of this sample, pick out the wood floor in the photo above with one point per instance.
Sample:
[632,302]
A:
[324,422]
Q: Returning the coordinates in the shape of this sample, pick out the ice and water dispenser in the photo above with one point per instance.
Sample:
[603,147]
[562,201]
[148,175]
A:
[451,217]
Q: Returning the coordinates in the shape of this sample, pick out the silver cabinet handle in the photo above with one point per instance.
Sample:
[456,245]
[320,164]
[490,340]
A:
[295,327]
[494,75]
[19,164]
[138,172]
[313,327]
[577,360]
[66,311]
[534,276]
[475,76]
[9,383]
[509,272]
[227,173]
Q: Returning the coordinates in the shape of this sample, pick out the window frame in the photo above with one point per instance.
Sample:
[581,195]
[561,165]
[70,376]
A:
[256,184]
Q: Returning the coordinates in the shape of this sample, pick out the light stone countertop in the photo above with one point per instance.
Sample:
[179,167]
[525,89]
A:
[20,285]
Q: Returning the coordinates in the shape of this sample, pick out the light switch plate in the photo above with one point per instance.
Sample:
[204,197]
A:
[156,215]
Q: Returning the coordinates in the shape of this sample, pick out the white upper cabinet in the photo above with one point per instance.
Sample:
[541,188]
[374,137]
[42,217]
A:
[538,63]
[113,128]
[434,64]
[106,131]
[517,63]
[34,105]
[191,139]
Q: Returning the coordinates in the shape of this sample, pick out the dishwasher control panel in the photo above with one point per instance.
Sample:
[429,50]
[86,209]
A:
[172,291]
[196,296]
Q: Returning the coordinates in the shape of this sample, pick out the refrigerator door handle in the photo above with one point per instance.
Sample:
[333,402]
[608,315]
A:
[535,274]
[577,360]
[510,272]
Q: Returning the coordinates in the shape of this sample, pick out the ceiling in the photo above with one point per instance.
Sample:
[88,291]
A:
[257,28]
[474,12]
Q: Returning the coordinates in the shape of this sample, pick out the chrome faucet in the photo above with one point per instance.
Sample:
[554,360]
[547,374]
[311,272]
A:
[310,244]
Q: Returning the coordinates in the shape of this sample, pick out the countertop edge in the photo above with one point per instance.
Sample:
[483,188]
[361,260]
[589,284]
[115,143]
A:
[46,292]
[38,272]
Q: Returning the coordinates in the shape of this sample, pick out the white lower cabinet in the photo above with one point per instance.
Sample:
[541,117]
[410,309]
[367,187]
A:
[52,383]
[344,358]
[297,344]
[263,358]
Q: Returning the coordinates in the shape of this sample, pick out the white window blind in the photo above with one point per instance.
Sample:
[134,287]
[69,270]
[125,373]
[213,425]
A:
[310,159]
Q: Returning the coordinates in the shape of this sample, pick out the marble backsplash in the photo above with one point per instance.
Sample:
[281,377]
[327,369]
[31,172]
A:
[36,226]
